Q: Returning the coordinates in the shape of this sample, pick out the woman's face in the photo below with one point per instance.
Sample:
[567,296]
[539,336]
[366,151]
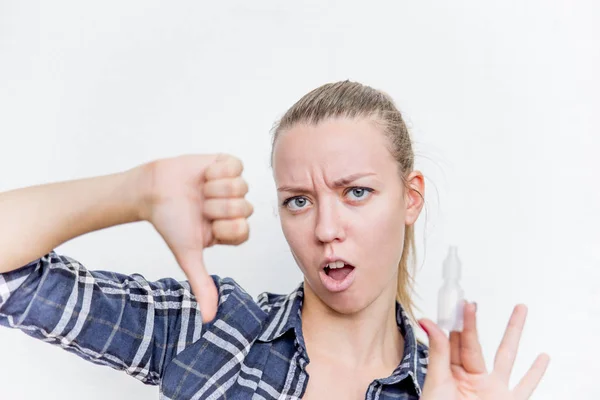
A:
[341,198]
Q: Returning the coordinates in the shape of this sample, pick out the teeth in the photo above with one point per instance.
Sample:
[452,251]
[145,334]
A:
[336,264]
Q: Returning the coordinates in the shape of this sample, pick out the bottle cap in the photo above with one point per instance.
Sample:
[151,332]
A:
[452,265]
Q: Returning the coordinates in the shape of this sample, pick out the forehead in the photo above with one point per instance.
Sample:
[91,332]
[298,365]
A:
[332,148]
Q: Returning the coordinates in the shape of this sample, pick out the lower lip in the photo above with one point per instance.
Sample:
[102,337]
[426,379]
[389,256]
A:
[337,286]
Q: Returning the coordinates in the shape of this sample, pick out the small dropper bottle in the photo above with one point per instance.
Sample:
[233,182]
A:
[451,295]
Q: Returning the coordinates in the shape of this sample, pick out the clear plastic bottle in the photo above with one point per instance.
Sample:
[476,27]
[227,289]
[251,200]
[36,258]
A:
[451,296]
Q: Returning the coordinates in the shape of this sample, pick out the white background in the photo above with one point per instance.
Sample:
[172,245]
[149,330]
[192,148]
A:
[501,97]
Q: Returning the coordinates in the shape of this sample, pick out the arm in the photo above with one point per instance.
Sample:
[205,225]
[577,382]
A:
[111,319]
[37,219]
[193,201]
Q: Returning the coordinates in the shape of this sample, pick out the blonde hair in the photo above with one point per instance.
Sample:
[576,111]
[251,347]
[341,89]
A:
[348,99]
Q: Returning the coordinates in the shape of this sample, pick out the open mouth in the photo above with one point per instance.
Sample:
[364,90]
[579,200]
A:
[338,270]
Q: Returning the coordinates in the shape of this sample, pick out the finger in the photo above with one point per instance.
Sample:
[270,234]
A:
[507,351]
[455,348]
[471,355]
[455,345]
[227,208]
[224,188]
[231,231]
[532,378]
[224,166]
[438,368]
[202,284]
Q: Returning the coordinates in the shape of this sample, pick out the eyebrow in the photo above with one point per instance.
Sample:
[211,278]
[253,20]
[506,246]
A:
[342,182]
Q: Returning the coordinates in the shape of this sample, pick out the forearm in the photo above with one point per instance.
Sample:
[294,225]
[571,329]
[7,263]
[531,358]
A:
[35,220]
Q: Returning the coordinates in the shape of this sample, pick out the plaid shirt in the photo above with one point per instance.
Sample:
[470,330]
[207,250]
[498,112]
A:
[154,332]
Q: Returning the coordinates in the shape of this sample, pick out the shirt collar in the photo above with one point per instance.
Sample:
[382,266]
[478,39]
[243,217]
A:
[285,315]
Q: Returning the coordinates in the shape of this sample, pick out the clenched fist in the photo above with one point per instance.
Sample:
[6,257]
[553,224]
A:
[194,202]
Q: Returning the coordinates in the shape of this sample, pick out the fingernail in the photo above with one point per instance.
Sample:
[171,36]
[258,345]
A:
[475,304]
[424,328]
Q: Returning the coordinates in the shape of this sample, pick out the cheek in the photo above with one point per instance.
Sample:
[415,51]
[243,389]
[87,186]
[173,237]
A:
[288,231]
[383,235]
[297,236]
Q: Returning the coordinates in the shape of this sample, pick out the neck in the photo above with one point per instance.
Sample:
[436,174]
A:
[367,338]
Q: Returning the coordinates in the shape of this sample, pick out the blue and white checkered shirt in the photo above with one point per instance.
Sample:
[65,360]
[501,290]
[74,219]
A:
[154,332]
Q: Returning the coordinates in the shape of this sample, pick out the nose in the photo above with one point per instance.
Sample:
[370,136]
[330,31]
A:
[329,227]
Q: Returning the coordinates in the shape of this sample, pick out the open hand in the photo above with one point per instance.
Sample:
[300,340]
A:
[457,370]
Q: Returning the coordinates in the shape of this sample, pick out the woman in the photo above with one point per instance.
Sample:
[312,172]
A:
[349,197]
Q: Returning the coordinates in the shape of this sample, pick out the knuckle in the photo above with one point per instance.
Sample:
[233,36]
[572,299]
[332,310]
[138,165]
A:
[209,207]
[221,230]
[229,208]
[220,171]
[242,231]
[231,232]
[238,227]
[236,187]
[228,169]
[239,209]
[217,229]
[231,188]
[241,187]
[237,164]
[233,167]
[468,351]
[243,228]
[236,231]
[209,189]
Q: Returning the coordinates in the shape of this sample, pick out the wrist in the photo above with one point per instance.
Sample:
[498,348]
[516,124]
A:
[141,191]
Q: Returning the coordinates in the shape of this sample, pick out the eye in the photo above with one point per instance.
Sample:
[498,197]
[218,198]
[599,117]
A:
[295,203]
[360,193]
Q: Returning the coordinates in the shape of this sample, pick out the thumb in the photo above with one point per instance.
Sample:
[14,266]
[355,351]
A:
[203,286]
[438,369]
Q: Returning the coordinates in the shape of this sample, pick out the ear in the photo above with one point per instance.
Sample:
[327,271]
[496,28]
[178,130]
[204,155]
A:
[414,197]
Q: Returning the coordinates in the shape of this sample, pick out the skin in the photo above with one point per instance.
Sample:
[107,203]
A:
[457,369]
[196,201]
[362,221]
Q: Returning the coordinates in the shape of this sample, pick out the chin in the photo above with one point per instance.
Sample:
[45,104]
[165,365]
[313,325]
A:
[347,302]
[352,300]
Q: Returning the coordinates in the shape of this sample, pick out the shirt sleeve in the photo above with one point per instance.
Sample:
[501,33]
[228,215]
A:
[122,321]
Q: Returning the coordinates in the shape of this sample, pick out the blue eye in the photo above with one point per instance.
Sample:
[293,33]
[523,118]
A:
[360,192]
[299,202]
